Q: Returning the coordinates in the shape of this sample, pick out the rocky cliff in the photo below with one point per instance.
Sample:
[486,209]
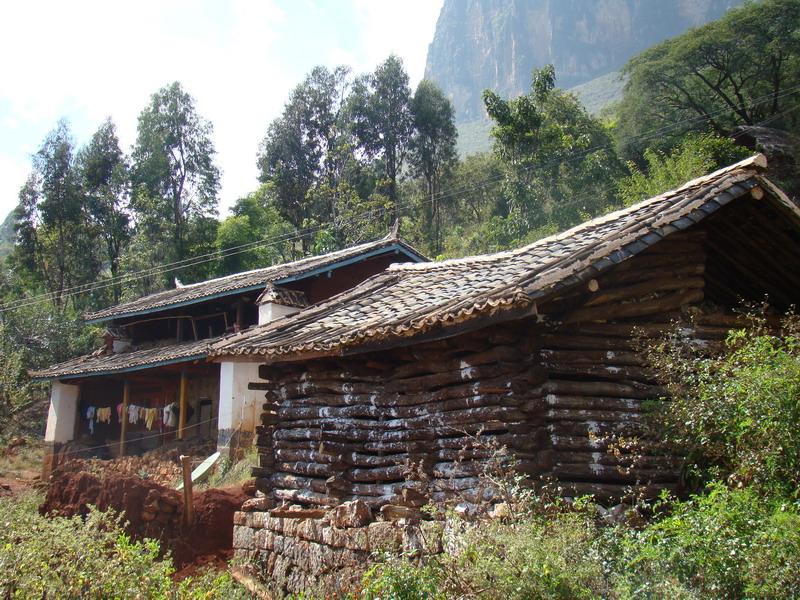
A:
[495,44]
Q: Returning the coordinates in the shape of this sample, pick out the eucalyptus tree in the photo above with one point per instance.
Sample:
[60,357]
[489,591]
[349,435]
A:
[305,148]
[379,109]
[53,241]
[175,180]
[104,179]
[433,149]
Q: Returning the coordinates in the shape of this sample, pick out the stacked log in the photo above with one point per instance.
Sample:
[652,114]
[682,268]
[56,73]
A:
[598,381]
[430,419]
[554,390]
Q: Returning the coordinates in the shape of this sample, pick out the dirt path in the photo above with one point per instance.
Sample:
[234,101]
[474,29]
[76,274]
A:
[12,486]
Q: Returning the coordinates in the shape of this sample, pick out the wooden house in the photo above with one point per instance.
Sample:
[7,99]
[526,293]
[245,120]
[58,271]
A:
[154,356]
[400,387]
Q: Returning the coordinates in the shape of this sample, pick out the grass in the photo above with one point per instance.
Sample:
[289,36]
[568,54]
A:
[23,462]
[228,473]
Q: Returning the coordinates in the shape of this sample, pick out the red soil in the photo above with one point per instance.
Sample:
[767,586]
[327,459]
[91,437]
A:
[209,536]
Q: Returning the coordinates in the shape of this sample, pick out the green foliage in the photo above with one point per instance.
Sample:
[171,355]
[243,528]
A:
[175,180]
[105,182]
[74,557]
[734,415]
[34,337]
[379,107]
[558,161]
[54,249]
[400,579]
[306,145]
[433,150]
[726,543]
[723,544]
[695,156]
[734,71]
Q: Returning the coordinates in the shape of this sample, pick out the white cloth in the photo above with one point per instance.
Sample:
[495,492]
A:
[90,414]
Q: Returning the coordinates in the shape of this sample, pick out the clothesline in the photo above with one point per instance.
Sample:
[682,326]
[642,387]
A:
[167,416]
[145,437]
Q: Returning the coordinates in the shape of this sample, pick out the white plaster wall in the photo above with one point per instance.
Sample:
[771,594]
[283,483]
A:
[269,311]
[62,413]
[237,404]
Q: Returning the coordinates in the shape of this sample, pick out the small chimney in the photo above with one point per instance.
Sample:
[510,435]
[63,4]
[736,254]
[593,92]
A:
[276,302]
[116,341]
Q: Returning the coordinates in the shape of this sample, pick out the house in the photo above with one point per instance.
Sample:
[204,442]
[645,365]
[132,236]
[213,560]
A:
[154,356]
[400,389]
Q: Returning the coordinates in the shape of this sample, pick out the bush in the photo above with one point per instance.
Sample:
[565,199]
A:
[74,557]
[728,543]
[735,415]
[541,557]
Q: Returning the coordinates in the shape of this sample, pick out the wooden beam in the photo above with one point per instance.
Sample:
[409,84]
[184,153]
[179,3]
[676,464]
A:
[188,504]
[126,396]
[183,405]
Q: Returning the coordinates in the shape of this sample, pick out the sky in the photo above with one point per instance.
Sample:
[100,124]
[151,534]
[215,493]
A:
[87,60]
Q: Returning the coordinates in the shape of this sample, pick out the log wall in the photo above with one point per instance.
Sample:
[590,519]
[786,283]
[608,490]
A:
[421,418]
[418,423]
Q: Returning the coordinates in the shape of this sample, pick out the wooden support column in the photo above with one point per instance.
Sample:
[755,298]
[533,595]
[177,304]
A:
[183,405]
[188,505]
[126,397]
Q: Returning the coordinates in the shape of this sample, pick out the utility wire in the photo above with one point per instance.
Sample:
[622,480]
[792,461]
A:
[300,234]
[137,439]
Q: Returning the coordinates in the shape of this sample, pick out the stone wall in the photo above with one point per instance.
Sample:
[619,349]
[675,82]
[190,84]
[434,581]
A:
[294,549]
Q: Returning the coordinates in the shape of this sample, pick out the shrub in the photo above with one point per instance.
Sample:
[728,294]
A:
[734,415]
[88,557]
[541,557]
[727,543]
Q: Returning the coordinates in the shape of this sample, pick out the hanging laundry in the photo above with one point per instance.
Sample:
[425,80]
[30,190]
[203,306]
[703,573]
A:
[91,411]
[120,408]
[150,417]
[104,415]
[171,412]
[133,414]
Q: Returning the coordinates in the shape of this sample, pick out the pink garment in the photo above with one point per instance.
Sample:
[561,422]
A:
[119,412]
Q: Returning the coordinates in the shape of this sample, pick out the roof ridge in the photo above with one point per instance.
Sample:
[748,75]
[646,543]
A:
[278,271]
[758,162]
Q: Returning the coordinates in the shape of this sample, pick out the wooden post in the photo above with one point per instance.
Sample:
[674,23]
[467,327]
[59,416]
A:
[188,505]
[183,406]
[126,397]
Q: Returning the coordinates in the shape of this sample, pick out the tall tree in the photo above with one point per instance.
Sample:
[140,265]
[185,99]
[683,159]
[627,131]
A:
[50,219]
[303,147]
[433,148]
[174,175]
[559,160]
[380,112]
[740,70]
[105,182]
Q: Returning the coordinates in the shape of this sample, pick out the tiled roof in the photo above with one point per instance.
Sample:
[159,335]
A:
[407,300]
[250,280]
[133,360]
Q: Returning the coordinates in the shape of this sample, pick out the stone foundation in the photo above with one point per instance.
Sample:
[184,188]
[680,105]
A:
[295,550]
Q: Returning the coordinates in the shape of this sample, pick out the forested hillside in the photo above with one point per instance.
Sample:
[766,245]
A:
[352,153]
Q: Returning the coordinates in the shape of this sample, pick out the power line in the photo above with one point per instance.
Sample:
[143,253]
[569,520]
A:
[300,234]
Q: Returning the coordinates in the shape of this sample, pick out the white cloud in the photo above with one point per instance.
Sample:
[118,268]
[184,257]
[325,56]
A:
[404,28]
[91,59]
